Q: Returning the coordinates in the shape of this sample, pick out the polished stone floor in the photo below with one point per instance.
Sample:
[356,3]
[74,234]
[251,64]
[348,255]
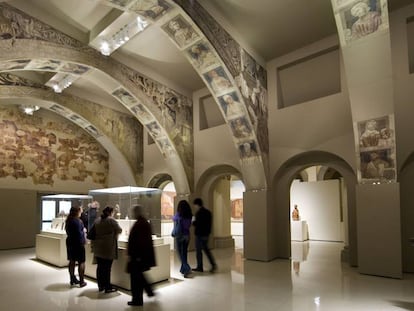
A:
[314,280]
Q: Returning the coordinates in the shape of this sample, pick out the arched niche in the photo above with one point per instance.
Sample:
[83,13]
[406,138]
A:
[91,117]
[281,196]
[121,163]
[156,106]
[159,180]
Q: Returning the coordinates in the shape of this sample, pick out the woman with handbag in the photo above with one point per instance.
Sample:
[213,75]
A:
[75,245]
[104,234]
[181,233]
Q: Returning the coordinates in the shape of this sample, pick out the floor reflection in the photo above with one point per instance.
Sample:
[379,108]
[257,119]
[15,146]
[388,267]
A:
[314,279]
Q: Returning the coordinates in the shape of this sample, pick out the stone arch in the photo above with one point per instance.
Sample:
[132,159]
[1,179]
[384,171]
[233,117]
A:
[156,106]
[242,81]
[159,180]
[107,144]
[281,192]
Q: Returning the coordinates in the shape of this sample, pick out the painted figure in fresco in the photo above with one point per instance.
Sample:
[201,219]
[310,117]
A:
[386,139]
[218,82]
[202,55]
[376,166]
[231,106]
[371,135]
[183,35]
[150,8]
[240,128]
[248,150]
[367,21]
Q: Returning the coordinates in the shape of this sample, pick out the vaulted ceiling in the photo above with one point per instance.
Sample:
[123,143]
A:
[268,28]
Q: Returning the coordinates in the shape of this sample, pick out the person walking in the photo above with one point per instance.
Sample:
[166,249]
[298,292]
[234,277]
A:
[105,247]
[202,224]
[75,245]
[141,257]
[181,233]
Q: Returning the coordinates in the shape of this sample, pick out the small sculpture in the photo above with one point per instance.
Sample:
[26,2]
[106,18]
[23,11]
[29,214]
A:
[295,213]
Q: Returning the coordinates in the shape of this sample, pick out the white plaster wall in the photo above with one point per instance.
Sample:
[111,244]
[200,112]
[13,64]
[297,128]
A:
[323,124]
[319,205]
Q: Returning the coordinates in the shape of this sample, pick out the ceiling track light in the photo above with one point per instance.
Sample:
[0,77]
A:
[29,109]
[61,81]
[109,44]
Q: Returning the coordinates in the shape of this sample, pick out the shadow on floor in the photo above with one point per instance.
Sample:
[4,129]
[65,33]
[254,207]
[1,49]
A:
[58,287]
[406,305]
[94,294]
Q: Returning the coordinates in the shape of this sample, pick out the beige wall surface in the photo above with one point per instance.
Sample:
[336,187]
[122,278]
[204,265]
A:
[20,218]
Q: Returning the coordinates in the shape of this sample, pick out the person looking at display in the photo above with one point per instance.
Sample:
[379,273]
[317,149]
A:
[104,235]
[75,245]
[181,233]
[141,257]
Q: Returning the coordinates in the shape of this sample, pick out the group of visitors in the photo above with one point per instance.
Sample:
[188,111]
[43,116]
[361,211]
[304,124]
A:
[183,220]
[104,231]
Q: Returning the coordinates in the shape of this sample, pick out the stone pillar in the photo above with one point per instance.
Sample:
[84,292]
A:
[363,29]
[259,234]
[222,214]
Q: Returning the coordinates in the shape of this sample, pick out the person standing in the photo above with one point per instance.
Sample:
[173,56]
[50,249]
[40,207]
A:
[202,224]
[141,257]
[181,233]
[105,247]
[75,245]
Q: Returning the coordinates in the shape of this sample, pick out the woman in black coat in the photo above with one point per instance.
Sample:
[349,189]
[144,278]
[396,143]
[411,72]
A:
[141,257]
[75,245]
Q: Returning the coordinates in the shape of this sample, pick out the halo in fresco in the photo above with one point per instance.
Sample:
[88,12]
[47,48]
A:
[201,56]
[218,80]
[180,31]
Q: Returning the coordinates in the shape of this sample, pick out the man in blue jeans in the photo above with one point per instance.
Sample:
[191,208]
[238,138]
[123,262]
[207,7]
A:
[202,224]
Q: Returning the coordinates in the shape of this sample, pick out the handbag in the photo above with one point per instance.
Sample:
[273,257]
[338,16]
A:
[177,229]
[91,234]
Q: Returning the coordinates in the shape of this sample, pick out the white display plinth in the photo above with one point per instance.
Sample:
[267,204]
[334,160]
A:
[51,248]
[299,230]
[119,276]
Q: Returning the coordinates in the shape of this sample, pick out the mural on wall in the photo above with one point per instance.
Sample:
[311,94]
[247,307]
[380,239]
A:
[249,76]
[357,19]
[167,205]
[237,209]
[376,148]
[15,24]
[46,150]
[12,80]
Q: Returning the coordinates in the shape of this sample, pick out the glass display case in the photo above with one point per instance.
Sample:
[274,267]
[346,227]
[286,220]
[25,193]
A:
[123,198]
[55,208]
[51,241]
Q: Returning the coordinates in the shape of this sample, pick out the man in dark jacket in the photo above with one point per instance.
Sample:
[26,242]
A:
[141,257]
[202,224]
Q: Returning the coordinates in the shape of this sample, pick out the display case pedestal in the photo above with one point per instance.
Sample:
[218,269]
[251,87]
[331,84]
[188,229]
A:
[119,276]
[51,248]
[299,230]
